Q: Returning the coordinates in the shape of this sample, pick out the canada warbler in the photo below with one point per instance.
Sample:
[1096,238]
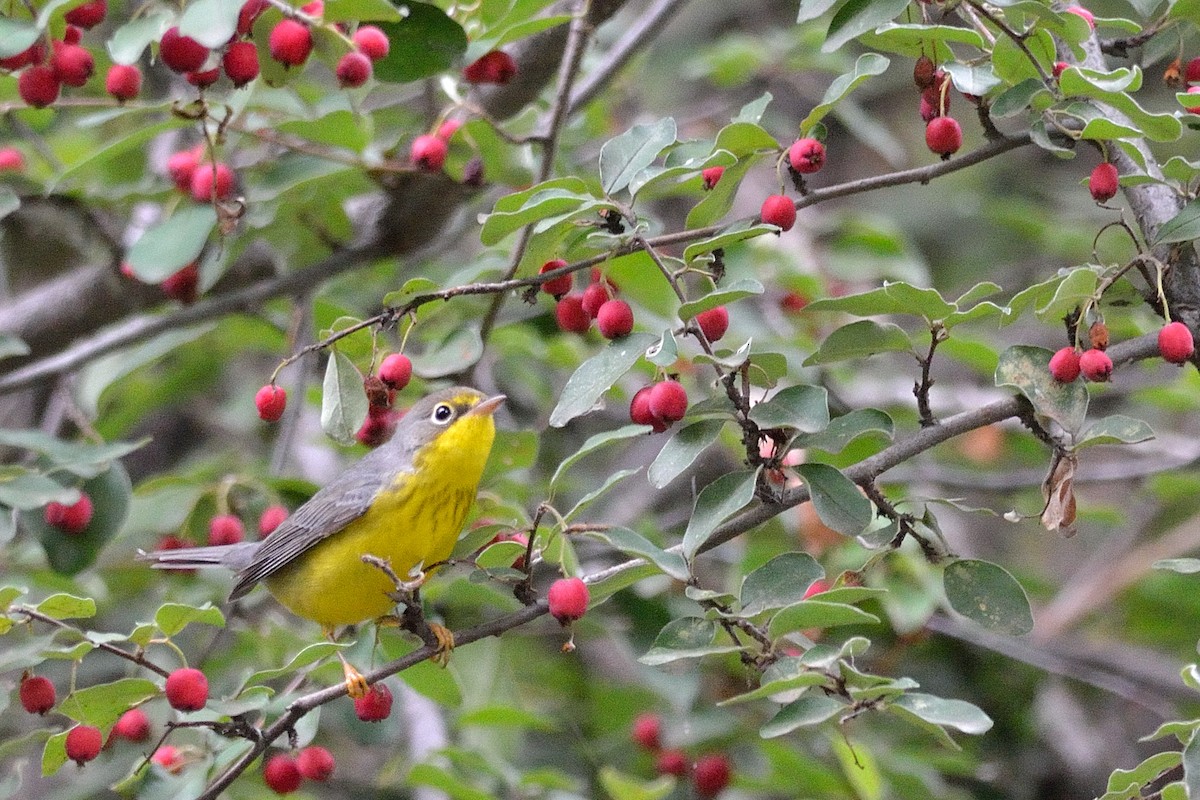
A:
[403,502]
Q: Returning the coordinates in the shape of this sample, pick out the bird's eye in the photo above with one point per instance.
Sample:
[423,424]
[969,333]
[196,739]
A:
[443,413]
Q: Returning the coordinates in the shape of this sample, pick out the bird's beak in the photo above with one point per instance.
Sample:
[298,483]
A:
[487,406]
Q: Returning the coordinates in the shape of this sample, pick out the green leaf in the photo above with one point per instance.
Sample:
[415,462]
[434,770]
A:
[1012,64]
[916,39]
[746,287]
[859,16]
[596,375]
[594,443]
[860,340]
[130,40]
[842,430]
[85,459]
[1185,566]
[1027,369]
[170,246]
[25,490]
[103,704]
[16,36]
[506,716]
[171,618]
[343,401]
[781,679]
[891,298]
[988,595]
[836,498]
[54,754]
[620,786]
[634,544]
[600,491]
[1183,227]
[739,231]
[801,408]
[624,156]
[361,11]
[808,710]
[818,613]
[423,44]
[753,111]
[780,582]
[719,199]
[957,714]
[1018,99]
[1115,429]
[66,606]
[682,449]
[654,180]
[716,502]
[308,655]
[686,637]
[811,9]
[866,66]
[544,204]
[459,351]
[664,352]
[212,23]
[744,139]
[1126,784]
[1112,88]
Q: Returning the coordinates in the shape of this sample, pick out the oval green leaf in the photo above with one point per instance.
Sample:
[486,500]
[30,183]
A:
[988,595]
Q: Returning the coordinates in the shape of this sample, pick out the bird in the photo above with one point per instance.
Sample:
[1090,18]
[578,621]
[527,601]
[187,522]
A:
[403,504]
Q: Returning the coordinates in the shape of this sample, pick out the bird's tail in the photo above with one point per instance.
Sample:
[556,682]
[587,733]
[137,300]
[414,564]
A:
[228,556]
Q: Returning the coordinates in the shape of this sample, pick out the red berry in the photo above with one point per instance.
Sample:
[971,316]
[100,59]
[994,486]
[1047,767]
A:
[181,53]
[181,165]
[184,285]
[396,370]
[251,10]
[806,156]
[281,774]
[83,743]
[88,15]
[711,775]
[780,211]
[594,296]
[353,70]
[169,758]
[668,401]
[816,587]
[793,302]
[272,517]
[713,323]
[640,413]
[375,705]
[372,42]
[378,427]
[671,762]
[428,152]
[37,694]
[202,79]
[568,599]
[1175,342]
[614,319]
[133,726]
[646,730]
[1087,16]
[72,64]
[570,314]
[11,160]
[207,181]
[290,42]
[123,81]
[494,67]
[447,129]
[241,63]
[711,176]
[225,529]
[270,401]
[187,689]
[314,9]
[1191,73]
[943,135]
[1191,90]
[1064,365]
[71,519]
[34,54]
[1103,182]
[1095,365]
[38,85]
[1059,68]
[559,286]
[315,763]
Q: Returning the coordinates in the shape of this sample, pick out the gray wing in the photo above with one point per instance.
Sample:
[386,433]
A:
[327,512]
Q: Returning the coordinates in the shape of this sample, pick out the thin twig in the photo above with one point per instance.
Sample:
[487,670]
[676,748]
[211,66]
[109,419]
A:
[107,647]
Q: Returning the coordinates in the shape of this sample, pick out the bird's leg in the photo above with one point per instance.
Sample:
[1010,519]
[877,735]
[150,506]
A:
[412,619]
[356,684]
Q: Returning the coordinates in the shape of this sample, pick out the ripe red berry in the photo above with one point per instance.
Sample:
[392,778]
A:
[614,319]
[181,165]
[202,79]
[1191,73]
[568,599]
[372,42]
[1103,182]
[817,586]
[353,70]
[640,413]
[396,370]
[494,67]
[83,743]
[37,694]
[209,180]
[272,517]
[793,302]
[671,762]
[281,774]
[570,314]
[225,529]
[713,323]
[184,285]
[71,519]
[1095,365]
[270,401]
[251,11]
[123,81]
[241,63]
[169,758]
[556,287]
[711,775]
[315,763]
[428,152]
[646,731]
[133,726]
[1064,365]
[11,160]
[668,401]
[711,177]
[314,9]
[88,15]
[181,53]
[806,156]
[72,64]
[38,85]
[1175,342]
[290,42]
[943,135]
[1059,68]
[375,705]
[780,211]
[378,427]
[187,689]
[34,54]
[594,296]
[1087,16]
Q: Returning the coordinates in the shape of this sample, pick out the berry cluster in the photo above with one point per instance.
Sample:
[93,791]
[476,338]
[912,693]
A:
[710,774]
[1175,344]
[283,773]
[574,312]
[659,405]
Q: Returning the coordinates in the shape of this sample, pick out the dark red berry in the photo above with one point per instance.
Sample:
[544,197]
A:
[225,529]
[646,732]
[315,763]
[570,314]
[353,70]
[187,689]
[378,427]
[83,743]
[34,54]
[594,296]
[72,518]
[943,135]
[281,774]
[396,370]
[123,81]
[251,11]
[711,177]
[270,401]
[668,401]
[806,156]
[671,762]
[640,413]
[133,726]
[181,53]
[568,599]
[923,72]
[38,85]
[184,285]
[1064,365]
[614,319]
[372,42]
[37,694]
[202,79]
[241,63]
[209,180]
[290,42]
[375,705]
[1059,68]
[181,165]
[1191,73]
[1095,365]
[72,64]
[1175,342]
[711,775]
[556,287]
[1103,182]
[429,152]
[88,15]
[780,211]
[713,323]
[494,67]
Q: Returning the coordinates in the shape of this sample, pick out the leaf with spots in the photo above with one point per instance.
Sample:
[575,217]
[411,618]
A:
[989,595]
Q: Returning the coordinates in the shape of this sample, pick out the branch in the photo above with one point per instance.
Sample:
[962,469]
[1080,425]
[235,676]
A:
[107,647]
